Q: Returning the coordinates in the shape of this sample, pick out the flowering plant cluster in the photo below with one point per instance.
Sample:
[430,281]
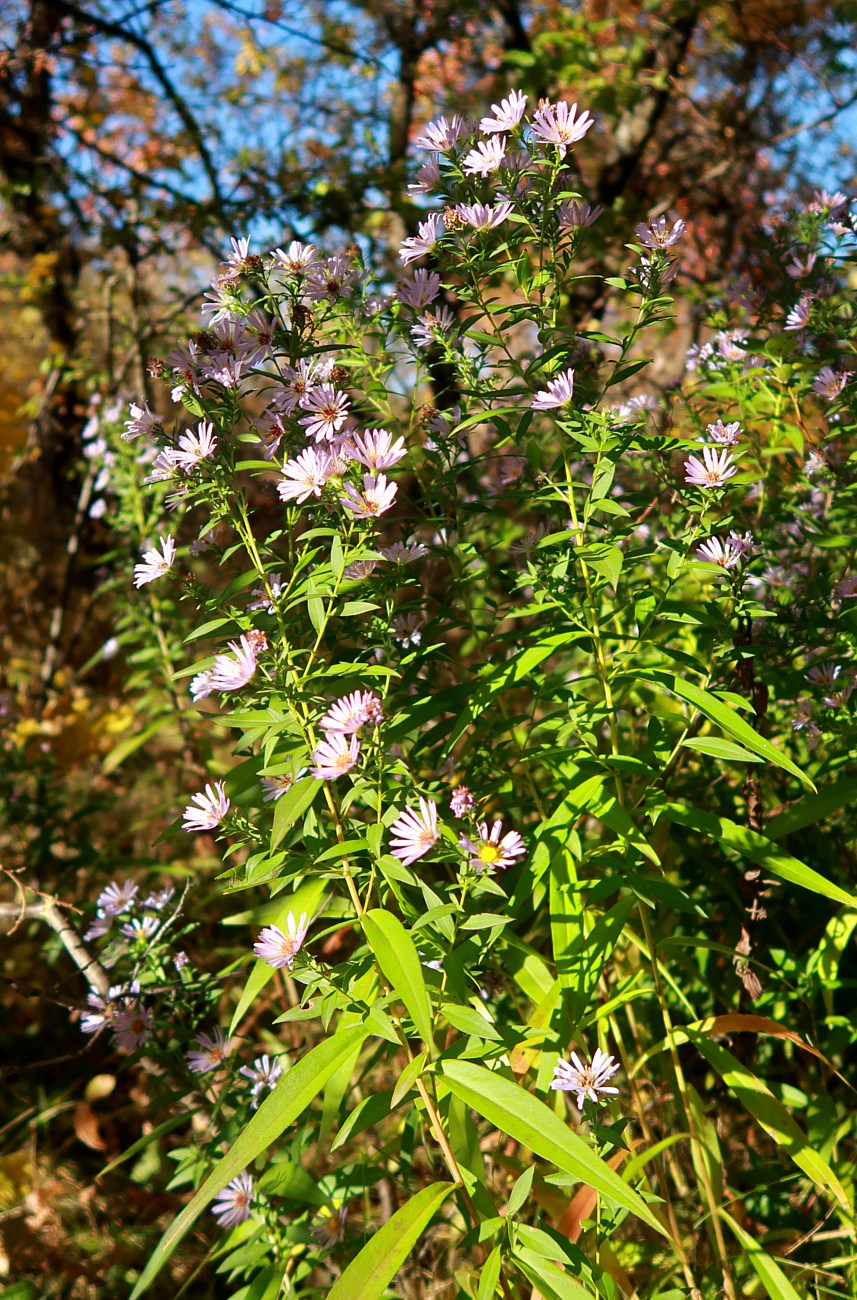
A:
[522,674]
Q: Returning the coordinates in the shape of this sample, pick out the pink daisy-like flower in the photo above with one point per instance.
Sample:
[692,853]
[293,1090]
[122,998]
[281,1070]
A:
[211,1053]
[376,498]
[278,948]
[155,565]
[462,802]
[304,476]
[376,449]
[421,291]
[335,757]
[442,135]
[327,412]
[194,447]
[507,114]
[715,468]
[105,1010]
[429,232]
[141,928]
[132,1026]
[207,809]
[142,421]
[486,157]
[232,1206]
[230,674]
[296,259]
[116,898]
[481,216]
[824,674]
[659,234]
[725,435]
[263,1073]
[428,178]
[403,552]
[274,787]
[576,214]
[829,383]
[586,1080]
[330,279]
[559,392]
[724,554]
[490,852]
[297,382]
[346,716]
[558,124]
[413,834]
[798,317]
[433,326]
[200,686]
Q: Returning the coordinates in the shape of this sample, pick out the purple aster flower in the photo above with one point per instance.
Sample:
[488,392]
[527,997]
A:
[418,245]
[350,714]
[230,674]
[486,157]
[507,114]
[211,1052]
[376,449]
[724,554]
[725,435]
[132,1026]
[327,412]
[335,757]
[421,291]
[586,1080]
[490,852]
[278,948]
[376,498]
[155,565]
[207,809]
[442,135]
[263,1073]
[414,834]
[559,125]
[715,468]
[194,447]
[482,216]
[232,1206]
[559,392]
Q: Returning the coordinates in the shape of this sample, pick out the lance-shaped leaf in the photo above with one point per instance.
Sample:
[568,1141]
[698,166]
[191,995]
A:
[289,1099]
[770,1274]
[764,852]
[771,1115]
[396,954]
[529,1121]
[371,1272]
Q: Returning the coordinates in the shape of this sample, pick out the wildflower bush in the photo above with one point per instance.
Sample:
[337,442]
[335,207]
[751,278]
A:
[515,694]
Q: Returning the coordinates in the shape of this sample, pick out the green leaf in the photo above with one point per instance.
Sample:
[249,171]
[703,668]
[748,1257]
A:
[371,1272]
[408,1078]
[717,747]
[521,1190]
[770,1114]
[551,1282]
[812,808]
[758,849]
[529,1121]
[366,1114]
[397,956]
[294,1092]
[467,1020]
[490,1275]
[770,1274]
[726,718]
[293,805]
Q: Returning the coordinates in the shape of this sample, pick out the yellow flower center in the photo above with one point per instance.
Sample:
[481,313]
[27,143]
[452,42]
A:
[488,853]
